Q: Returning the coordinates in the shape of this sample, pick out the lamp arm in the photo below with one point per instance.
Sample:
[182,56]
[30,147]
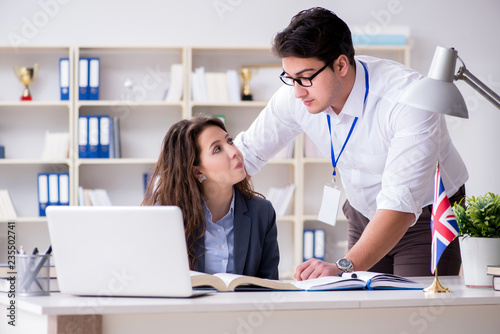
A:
[478,85]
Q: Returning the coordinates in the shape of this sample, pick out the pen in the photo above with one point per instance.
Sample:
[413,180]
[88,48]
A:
[29,279]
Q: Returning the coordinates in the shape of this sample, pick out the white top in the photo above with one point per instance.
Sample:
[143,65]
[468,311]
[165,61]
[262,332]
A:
[390,159]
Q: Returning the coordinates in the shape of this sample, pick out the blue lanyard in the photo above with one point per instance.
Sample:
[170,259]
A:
[334,161]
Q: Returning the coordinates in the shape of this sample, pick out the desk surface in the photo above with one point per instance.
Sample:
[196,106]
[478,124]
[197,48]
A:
[460,295]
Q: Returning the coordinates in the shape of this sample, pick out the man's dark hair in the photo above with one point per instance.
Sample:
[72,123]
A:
[315,33]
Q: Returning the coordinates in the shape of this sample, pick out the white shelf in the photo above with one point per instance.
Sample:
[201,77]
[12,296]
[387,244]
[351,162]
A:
[144,123]
[35,104]
[114,103]
[121,161]
[34,162]
[22,220]
[242,104]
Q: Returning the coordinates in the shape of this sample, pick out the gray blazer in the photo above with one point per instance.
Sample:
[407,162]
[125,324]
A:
[256,250]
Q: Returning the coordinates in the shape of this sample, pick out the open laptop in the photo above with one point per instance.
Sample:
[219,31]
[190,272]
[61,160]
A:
[120,251]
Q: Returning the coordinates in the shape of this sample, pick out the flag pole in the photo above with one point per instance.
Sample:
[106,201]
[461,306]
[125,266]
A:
[436,286]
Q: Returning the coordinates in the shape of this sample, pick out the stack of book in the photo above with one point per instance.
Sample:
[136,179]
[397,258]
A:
[494,270]
[215,87]
[98,137]
[93,197]
[7,210]
[281,198]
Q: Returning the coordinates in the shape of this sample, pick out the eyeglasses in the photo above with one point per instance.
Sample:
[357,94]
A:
[303,81]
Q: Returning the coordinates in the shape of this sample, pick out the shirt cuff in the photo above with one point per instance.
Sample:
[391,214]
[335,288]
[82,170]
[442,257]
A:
[399,199]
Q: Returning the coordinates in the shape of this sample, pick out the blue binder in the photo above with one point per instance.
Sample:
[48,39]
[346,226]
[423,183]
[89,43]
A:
[308,245]
[104,136]
[94,73]
[63,189]
[314,244]
[83,137]
[43,193]
[53,189]
[319,243]
[93,137]
[83,79]
[116,137]
[64,78]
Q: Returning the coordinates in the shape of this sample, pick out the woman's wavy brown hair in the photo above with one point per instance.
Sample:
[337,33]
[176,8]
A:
[173,182]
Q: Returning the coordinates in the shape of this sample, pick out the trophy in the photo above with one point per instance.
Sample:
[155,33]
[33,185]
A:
[26,76]
[246,74]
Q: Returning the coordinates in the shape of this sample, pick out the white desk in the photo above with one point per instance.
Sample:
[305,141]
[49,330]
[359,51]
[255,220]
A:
[464,310]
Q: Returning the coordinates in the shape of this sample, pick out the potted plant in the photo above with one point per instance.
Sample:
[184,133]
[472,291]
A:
[479,224]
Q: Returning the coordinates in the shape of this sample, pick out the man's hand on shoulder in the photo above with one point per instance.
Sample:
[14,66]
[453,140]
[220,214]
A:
[315,268]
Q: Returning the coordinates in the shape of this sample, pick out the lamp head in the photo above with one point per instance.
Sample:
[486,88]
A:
[437,92]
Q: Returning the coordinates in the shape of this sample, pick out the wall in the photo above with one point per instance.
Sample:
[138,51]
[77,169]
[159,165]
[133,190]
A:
[238,22]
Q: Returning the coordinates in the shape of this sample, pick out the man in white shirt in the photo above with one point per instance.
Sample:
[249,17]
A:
[385,152]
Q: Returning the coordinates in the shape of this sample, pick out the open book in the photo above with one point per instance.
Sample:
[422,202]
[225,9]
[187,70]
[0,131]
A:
[357,280]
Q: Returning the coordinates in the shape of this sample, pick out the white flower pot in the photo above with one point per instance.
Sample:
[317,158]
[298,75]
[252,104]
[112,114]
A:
[477,254]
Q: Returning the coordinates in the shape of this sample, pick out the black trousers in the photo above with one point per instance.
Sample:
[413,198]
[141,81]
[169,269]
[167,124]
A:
[412,254]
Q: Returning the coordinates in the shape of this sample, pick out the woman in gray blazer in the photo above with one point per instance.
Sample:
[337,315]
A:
[229,227]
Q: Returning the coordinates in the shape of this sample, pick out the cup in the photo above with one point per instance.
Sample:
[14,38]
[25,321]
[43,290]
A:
[246,75]
[26,75]
[33,275]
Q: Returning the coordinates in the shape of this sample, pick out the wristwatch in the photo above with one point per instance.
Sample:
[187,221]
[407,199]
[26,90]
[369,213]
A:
[345,265]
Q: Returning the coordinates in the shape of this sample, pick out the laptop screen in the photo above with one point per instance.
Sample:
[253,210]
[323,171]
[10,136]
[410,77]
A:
[120,251]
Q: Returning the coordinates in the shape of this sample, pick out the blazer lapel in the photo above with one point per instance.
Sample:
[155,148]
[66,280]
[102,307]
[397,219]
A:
[242,227]
[200,254]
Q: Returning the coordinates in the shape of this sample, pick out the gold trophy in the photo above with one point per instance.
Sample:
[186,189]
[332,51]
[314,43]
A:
[246,74]
[26,76]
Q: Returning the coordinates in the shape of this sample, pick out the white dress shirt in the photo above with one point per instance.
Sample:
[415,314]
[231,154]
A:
[390,159]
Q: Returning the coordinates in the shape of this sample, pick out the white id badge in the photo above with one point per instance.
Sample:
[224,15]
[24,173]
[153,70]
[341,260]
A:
[329,205]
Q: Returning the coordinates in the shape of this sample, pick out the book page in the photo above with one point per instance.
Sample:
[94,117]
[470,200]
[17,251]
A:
[199,279]
[233,281]
[376,280]
[330,283]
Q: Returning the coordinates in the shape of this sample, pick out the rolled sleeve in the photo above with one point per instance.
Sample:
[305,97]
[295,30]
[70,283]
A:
[411,160]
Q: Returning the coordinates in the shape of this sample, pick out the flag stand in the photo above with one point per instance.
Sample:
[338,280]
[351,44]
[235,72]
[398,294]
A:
[436,286]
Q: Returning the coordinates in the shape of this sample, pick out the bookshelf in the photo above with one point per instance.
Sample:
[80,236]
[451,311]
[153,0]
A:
[23,124]
[145,117]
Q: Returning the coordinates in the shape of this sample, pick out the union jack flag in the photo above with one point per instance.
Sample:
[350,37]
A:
[444,225]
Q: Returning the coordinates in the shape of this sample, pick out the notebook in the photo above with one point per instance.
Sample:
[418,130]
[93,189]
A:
[135,251]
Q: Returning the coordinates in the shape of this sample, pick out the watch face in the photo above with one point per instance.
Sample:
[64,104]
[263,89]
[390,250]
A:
[344,263]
